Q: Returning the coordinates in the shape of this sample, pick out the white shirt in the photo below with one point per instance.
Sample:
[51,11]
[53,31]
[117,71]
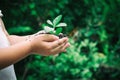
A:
[7,73]
[1,13]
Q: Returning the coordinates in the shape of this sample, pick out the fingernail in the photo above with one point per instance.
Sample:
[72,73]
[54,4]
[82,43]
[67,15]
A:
[66,38]
[69,44]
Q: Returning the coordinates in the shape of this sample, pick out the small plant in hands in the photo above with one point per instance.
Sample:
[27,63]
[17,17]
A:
[55,27]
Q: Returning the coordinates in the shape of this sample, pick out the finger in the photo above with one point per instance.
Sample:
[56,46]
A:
[62,48]
[58,42]
[57,49]
[65,46]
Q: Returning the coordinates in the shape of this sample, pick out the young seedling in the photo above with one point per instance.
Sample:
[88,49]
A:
[55,27]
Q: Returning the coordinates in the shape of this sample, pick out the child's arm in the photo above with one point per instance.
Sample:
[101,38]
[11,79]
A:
[12,54]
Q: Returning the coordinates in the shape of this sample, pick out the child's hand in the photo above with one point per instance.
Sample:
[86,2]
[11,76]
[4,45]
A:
[46,44]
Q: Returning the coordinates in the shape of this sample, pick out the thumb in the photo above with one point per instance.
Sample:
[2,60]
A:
[50,38]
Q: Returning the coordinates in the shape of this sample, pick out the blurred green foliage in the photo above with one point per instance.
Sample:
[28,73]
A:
[93,29]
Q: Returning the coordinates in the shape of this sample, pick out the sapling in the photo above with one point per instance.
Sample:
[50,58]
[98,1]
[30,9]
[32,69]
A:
[55,27]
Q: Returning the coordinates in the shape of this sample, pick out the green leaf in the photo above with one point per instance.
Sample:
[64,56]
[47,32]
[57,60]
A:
[32,5]
[61,25]
[33,12]
[48,29]
[49,22]
[58,30]
[57,20]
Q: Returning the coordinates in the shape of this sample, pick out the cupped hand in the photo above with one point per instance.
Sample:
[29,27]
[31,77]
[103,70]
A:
[47,44]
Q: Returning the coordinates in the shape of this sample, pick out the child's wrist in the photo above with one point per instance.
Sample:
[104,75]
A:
[29,43]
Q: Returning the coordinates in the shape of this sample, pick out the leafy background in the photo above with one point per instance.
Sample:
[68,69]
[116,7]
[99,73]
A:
[93,29]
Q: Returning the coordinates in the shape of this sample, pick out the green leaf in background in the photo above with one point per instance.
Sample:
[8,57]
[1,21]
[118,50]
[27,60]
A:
[57,20]
[61,25]
[49,22]
[20,29]
[58,30]
[33,12]
[32,5]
